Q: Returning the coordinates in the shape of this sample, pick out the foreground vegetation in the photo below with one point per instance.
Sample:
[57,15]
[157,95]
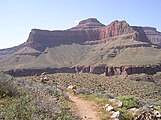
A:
[103,85]
[132,92]
[44,97]
[25,100]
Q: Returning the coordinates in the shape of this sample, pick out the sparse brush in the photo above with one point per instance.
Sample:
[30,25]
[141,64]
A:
[34,101]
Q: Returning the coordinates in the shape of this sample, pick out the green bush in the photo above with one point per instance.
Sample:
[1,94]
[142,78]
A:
[129,101]
[20,108]
[6,86]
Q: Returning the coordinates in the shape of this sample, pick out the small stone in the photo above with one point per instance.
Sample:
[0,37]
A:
[116,115]
[108,107]
[134,111]
[157,114]
[71,87]
[44,73]
[116,103]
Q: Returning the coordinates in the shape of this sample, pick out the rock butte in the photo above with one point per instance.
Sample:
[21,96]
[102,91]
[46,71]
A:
[88,32]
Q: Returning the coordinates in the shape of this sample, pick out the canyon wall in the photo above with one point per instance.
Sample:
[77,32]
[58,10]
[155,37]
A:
[86,31]
[100,69]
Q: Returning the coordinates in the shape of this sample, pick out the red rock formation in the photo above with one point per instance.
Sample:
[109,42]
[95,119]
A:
[153,35]
[115,28]
[88,31]
[91,23]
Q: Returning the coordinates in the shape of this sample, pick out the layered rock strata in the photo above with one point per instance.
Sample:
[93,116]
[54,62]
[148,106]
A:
[88,31]
[100,69]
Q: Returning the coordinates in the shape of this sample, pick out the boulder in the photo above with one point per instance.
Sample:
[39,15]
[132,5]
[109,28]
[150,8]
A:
[134,111]
[116,103]
[71,87]
[116,115]
[44,73]
[44,80]
[149,115]
[157,114]
[108,107]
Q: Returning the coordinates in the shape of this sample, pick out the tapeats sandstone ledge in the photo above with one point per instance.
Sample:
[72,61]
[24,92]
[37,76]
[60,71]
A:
[100,69]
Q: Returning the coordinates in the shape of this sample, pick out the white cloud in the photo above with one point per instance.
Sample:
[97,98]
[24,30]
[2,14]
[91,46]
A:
[76,21]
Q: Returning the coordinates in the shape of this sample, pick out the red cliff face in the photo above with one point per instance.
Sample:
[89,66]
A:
[115,28]
[40,39]
[89,31]
[153,35]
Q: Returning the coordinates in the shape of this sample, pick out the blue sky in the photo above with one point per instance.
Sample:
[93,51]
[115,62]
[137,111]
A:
[18,17]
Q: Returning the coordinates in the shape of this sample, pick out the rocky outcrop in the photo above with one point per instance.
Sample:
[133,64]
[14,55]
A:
[116,28]
[40,39]
[141,35]
[153,35]
[31,72]
[100,69]
[88,31]
[91,23]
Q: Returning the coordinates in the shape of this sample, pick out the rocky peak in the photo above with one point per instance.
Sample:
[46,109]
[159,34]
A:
[89,20]
[116,28]
[91,23]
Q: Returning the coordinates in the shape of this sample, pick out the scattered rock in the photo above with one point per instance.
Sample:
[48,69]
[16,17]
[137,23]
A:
[44,73]
[71,87]
[149,115]
[43,80]
[116,103]
[134,111]
[66,96]
[157,114]
[116,115]
[146,116]
[108,107]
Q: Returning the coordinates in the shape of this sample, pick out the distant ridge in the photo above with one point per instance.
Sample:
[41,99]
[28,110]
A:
[89,47]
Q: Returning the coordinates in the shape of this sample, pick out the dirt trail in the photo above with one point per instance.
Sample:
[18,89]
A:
[84,109]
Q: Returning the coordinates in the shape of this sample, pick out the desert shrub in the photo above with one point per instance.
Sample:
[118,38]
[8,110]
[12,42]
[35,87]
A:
[6,86]
[106,95]
[129,101]
[148,102]
[141,77]
[34,100]
[126,115]
[157,78]
[20,108]
[83,91]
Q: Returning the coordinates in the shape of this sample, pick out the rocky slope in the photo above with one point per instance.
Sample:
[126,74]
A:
[8,51]
[117,48]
